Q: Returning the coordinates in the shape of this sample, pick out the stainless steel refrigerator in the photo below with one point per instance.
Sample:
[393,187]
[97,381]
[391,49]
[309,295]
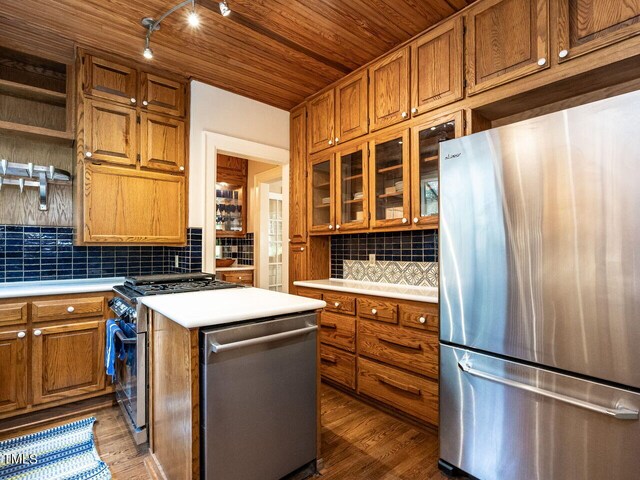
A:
[540,297]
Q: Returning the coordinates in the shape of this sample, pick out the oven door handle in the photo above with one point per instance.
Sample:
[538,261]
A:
[219,348]
[123,339]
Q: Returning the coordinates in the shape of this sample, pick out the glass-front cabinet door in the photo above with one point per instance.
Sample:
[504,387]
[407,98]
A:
[230,212]
[321,194]
[352,209]
[389,179]
[425,143]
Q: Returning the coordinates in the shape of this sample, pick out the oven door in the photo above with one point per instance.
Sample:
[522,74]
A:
[130,379]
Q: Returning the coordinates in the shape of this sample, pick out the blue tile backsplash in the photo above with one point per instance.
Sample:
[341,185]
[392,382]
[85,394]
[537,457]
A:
[409,246]
[31,253]
[239,248]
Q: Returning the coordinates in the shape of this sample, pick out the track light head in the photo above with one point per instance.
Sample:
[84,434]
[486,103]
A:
[193,19]
[224,9]
[148,53]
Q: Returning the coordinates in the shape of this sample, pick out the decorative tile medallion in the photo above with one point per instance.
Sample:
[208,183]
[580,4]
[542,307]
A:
[423,274]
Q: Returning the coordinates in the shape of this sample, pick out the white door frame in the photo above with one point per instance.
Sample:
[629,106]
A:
[215,143]
[261,272]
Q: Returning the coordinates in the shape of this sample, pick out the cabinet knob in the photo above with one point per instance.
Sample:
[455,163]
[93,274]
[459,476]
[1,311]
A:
[337,139]
[133,100]
[338,227]
[404,220]
[422,320]
[415,219]
[88,154]
[302,249]
[71,309]
[414,110]
[330,227]
[37,333]
[239,278]
[330,142]
[145,103]
[542,61]
[181,169]
[405,114]
[563,53]
[336,304]
[21,334]
[374,311]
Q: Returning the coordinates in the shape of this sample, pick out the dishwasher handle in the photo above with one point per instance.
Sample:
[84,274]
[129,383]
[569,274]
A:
[219,348]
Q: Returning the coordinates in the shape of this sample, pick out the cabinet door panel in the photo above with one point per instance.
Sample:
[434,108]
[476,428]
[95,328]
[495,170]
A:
[298,265]
[321,193]
[162,95]
[109,80]
[321,117]
[298,177]
[110,133]
[352,108]
[389,90]
[68,360]
[13,374]
[506,40]
[586,25]
[352,188]
[433,84]
[127,206]
[162,142]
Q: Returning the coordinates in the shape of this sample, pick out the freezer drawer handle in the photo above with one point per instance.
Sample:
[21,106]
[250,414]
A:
[219,348]
[620,413]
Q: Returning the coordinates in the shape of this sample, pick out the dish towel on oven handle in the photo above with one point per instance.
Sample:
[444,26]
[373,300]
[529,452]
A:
[114,345]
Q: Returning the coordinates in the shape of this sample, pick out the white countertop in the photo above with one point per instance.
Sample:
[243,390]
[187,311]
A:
[391,290]
[233,269]
[218,307]
[58,287]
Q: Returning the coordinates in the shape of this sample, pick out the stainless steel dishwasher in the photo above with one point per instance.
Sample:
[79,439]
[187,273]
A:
[258,398]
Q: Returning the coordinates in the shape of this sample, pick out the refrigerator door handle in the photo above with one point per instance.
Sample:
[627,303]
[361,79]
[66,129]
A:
[620,413]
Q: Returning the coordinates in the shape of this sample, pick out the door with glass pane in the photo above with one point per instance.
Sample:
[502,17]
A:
[389,180]
[352,209]
[321,194]
[275,242]
[425,145]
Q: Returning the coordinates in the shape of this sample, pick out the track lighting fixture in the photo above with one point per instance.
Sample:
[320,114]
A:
[224,9]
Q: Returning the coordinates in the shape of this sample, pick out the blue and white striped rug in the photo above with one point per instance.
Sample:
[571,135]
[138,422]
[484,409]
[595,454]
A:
[65,452]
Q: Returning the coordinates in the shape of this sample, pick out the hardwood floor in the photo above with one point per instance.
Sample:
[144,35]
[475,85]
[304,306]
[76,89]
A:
[359,442]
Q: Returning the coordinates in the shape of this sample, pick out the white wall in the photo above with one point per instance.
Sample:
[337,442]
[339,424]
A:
[218,111]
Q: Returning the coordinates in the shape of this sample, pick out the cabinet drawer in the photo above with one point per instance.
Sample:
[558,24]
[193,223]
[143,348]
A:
[338,330]
[13,314]
[378,310]
[340,303]
[411,394]
[422,318]
[403,347]
[246,278]
[307,292]
[46,310]
[338,366]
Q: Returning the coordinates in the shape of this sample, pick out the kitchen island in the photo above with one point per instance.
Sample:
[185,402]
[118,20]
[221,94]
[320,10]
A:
[177,323]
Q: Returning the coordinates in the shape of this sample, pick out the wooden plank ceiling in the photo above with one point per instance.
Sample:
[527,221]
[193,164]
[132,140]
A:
[274,51]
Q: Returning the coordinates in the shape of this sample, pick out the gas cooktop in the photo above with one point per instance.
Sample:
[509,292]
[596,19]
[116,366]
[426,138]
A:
[174,283]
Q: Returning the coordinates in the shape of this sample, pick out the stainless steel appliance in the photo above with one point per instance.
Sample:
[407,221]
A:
[258,399]
[131,371]
[540,297]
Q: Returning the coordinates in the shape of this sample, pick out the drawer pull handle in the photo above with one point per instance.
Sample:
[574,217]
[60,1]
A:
[422,320]
[374,311]
[70,309]
[332,326]
[393,341]
[400,386]
[328,358]
[336,304]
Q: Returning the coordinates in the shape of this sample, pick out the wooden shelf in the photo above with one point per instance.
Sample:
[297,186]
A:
[352,177]
[324,205]
[430,159]
[32,93]
[390,169]
[38,132]
[387,195]
[357,200]
[322,185]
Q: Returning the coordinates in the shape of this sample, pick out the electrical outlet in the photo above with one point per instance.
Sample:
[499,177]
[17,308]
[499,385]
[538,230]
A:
[177,261]
[372,258]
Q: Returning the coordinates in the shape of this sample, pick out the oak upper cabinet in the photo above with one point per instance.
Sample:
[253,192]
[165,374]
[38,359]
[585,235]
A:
[586,25]
[110,132]
[320,124]
[505,40]
[68,360]
[389,180]
[298,176]
[162,142]
[109,80]
[352,196]
[321,191]
[432,83]
[13,374]
[389,90]
[162,95]
[141,206]
[352,119]
[425,152]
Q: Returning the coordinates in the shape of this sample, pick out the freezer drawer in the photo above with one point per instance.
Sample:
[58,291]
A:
[501,419]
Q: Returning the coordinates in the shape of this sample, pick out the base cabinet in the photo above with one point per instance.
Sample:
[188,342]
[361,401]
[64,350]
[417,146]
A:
[13,374]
